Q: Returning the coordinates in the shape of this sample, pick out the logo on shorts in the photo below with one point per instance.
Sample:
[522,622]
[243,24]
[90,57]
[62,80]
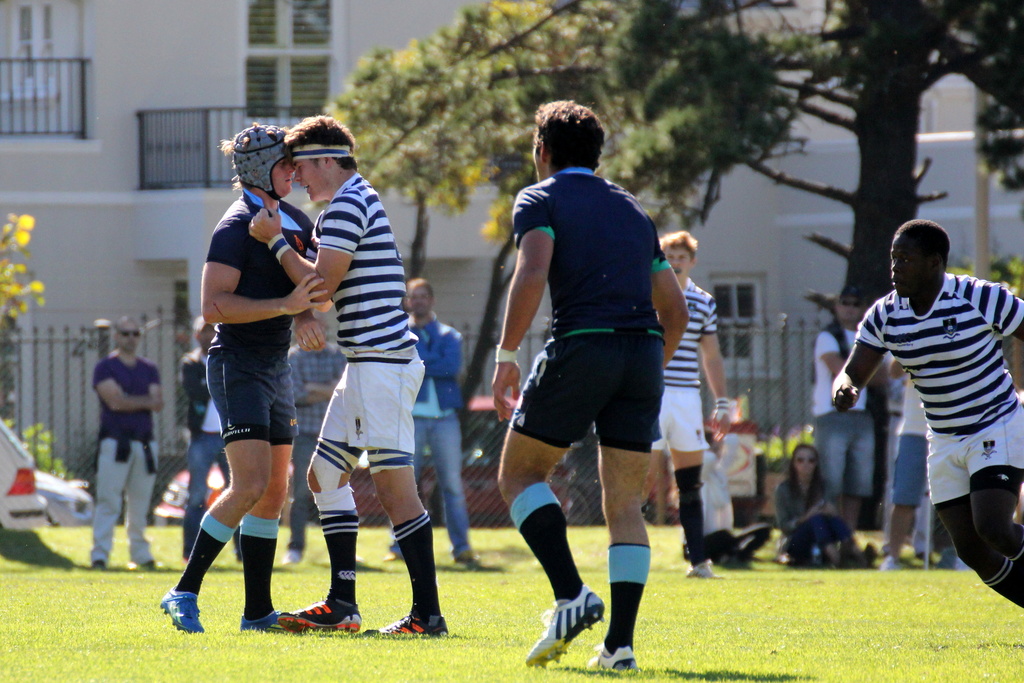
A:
[294,421]
[1002,477]
[236,432]
[949,325]
[359,427]
[988,449]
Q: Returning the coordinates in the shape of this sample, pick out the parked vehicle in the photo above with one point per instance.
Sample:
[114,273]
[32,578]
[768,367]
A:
[67,502]
[21,507]
[171,509]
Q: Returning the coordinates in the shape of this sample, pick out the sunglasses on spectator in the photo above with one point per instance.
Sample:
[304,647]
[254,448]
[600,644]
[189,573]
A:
[129,333]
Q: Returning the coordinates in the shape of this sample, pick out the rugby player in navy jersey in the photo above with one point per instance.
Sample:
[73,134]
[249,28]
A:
[946,331]
[251,300]
[371,410]
[617,317]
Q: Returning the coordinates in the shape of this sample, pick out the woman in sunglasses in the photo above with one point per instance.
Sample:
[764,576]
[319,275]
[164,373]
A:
[811,527]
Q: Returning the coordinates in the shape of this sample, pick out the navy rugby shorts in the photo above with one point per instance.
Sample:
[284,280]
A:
[253,394]
[611,381]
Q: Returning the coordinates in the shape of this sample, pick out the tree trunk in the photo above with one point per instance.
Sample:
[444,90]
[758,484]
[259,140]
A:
[886,193]
[886,126]
[487,339]
[418,257]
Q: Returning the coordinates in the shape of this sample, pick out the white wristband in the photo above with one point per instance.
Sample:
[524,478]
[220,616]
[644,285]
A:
[504,355]
[722,403]
[278,246]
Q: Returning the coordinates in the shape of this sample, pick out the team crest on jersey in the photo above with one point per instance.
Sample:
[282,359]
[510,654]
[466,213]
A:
[949,325]
[988,449]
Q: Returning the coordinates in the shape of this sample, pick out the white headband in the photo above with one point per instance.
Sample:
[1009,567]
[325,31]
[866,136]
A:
[321,151]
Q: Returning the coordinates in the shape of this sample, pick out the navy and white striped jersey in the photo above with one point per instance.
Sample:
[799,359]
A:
[684,370]
[368,302]
[953,353]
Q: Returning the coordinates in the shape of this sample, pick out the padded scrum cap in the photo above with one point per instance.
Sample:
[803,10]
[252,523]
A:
[256,150]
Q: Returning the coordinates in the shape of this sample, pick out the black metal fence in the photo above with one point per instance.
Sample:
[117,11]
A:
[46,393]
[43,97]
[179,148]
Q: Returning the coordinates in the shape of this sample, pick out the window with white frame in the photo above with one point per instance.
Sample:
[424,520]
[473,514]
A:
[738,304]
[34,30]
[31,40]
[288,63]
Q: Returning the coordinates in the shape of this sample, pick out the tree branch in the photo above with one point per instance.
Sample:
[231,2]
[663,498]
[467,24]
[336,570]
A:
[830,117]
[519,37]
[825,302]
[931,197]
[820,189]
[808,90]
[922,171]
[560,70]
[835,246]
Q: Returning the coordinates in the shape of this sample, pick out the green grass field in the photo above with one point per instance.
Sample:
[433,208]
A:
[62,622]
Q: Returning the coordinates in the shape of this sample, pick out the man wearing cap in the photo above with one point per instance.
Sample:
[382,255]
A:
[371,410]
[845,441]
[250,298]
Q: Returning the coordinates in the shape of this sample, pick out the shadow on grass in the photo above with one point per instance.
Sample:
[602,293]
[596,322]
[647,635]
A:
[26,547]
[695,675]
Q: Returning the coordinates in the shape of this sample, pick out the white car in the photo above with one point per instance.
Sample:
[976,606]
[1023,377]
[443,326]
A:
[67,502]
[21,507]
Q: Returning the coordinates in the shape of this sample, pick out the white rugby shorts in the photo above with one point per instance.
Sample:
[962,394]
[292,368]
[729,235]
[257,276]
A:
[372,406]
[681,421]
[952,459]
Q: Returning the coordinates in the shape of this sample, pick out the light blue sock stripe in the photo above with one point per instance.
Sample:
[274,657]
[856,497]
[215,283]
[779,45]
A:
[219,531]
[259,527]
[629,563]
[536,496]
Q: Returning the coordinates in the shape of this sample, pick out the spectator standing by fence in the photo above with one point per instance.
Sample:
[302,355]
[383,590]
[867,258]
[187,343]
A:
[909,475]
[436,415]
[315,374]
[845,440]
[205,445]
[129,389]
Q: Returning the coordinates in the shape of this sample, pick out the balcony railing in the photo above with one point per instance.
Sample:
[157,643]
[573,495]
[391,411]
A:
[180,148]
[43,97]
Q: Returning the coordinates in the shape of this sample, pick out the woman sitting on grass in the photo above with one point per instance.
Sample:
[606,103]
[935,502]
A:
[812,530]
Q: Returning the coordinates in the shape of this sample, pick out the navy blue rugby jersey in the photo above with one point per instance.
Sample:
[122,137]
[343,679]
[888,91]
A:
[262,277]
[606,248]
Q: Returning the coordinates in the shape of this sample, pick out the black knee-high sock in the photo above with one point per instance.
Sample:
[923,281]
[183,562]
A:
[691,511]
[340,533]
[257,569]
[544,530]
[626,598]
[416,540]
[1009,582]
[204,552]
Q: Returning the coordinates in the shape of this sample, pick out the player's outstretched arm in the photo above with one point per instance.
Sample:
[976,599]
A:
[859,367]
